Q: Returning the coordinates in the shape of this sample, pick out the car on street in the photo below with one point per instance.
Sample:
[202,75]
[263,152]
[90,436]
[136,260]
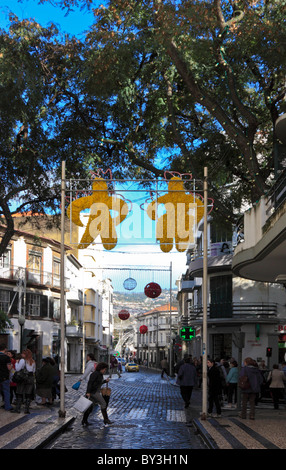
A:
[131,367]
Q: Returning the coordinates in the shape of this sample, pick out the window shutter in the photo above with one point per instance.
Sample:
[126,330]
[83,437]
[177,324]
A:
[44,306]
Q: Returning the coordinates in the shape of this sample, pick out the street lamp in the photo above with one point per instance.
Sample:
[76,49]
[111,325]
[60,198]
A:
[21,321]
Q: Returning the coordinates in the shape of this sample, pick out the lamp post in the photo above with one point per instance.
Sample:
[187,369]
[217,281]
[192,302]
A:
[21,321]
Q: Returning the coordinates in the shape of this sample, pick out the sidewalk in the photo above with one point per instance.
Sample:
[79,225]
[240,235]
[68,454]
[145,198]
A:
[34,430]
[267,431]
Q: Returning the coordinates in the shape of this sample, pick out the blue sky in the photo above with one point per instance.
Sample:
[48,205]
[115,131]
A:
[74,23]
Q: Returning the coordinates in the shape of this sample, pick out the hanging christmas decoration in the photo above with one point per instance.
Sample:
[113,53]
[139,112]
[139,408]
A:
[129,284]
[143,329]
[183,212]
[152,290]
[100,222]
[124,314]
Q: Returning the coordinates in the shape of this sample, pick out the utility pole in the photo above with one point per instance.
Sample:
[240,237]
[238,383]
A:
[205,297]
[171,342]
[62,412]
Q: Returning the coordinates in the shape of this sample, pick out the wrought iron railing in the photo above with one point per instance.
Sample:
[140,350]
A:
[216,249]
[277,194]
[231,310]
[31,276]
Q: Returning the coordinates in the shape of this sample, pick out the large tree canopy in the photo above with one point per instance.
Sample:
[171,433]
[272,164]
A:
[35,63]
[156,85]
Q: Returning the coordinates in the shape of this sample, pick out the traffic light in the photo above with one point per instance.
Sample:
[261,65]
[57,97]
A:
[268,352]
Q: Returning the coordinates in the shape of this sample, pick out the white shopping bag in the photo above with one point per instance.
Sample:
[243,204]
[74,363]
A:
[82,404]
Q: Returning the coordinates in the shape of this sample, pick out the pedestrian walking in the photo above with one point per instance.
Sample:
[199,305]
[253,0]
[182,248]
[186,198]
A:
[90,367]
[164,366]
[95,382]
[5,367]
[255,380]
[25,390]
[231,381]
[56,378]
[284,372]
[222,370]
[277,385]
[13,385]
[214,388]
[114,367]
[180,363]
[44,382]
[198,365]
[187,378]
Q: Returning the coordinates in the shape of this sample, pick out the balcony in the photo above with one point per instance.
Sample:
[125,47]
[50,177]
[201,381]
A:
[261,256]
[74,331]
[31,277]
[75,295]
[241,312]
[219,259]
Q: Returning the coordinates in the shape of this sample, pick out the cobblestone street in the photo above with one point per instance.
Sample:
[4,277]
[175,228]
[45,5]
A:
[147,412]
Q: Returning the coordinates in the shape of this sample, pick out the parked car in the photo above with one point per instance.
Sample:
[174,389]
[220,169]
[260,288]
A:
[131,367]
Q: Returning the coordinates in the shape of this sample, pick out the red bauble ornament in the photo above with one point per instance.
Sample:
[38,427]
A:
[124,314]
[143,329]
[152,290]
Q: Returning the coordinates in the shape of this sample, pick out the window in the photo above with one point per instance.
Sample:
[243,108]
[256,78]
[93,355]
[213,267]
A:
[57,308]
[33,305]
[56,271]
[5,259]
[4,300]
[221,296]
[34,266]
[220,233]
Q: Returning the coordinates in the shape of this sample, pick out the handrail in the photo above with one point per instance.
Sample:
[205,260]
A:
[237,309]
[31,276]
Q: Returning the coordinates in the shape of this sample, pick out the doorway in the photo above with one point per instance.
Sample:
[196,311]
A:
[222,345]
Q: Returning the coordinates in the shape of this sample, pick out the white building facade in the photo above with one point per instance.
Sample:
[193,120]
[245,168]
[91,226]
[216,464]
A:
[242,314]
[30,293]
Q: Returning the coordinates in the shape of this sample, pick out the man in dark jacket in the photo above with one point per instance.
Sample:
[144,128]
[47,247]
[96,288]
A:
[214,387]
[93,392]
[187,377]
[255,380]
[5,367]
[44,381]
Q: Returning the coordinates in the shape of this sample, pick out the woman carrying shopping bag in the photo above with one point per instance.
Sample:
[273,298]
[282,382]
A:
[26,389]
[93,393]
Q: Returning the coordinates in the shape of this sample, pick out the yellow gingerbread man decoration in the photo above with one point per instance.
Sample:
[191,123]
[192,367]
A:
[177,223]
[100,221]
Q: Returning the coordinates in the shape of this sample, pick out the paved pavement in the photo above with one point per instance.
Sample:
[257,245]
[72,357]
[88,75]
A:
[37,429]
[266,431]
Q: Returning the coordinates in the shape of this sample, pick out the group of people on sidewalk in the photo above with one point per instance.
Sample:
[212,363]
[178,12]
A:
[42,382]
[223,381]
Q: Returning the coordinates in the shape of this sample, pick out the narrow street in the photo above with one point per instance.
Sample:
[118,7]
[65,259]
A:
[147,412]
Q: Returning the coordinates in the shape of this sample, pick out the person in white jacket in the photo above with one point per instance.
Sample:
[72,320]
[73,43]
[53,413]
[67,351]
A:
[277,384]
[89,367]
